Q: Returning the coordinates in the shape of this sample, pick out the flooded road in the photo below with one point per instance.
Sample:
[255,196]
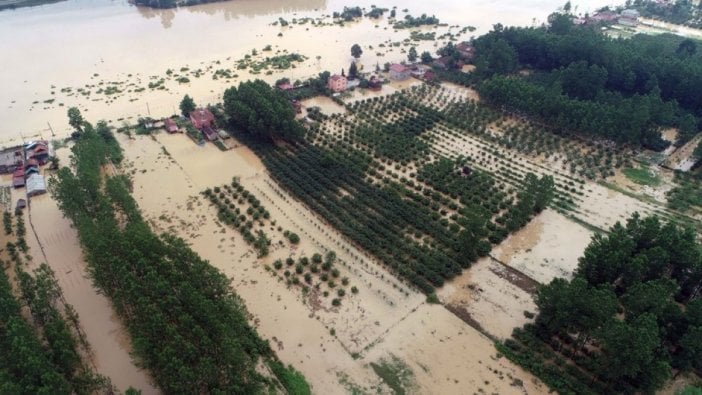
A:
[101,55]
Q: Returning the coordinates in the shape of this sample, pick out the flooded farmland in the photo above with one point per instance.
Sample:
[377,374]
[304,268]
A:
[103,55]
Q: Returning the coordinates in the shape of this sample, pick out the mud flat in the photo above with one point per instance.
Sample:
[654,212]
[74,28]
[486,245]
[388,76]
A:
[548,247]
[490,298]
[338,349]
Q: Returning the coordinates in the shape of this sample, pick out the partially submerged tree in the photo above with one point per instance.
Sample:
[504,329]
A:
[356,51]
[75,119]
[187,105]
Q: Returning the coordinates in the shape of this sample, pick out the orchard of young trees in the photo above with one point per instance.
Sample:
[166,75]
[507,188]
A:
[629,319]
[187,326]
[586,82]
[262,111]
[427,228]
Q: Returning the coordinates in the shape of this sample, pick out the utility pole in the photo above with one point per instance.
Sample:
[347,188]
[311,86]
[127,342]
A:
[51,129]
[148,111]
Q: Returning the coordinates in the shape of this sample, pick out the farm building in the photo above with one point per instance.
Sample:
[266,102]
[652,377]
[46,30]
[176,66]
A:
[21,203]
[38,150]
[375,83]
[399,72]
[629,18]
[10,159]
[36,185]
[170,125]
[202,118]
[337,83]
[210,133]
[466,51]
[18,182]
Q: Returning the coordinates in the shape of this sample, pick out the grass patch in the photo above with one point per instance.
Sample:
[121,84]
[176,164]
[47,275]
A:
[293,381]
[395,373]
[642,176]
[686,195]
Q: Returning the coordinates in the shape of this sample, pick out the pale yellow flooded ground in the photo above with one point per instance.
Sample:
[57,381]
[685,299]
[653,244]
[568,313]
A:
[96,44]
[385,320]
[546,248]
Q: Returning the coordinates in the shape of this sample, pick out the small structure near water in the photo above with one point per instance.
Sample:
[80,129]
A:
[629,18]
[337,83]
[399,72]
[36,185]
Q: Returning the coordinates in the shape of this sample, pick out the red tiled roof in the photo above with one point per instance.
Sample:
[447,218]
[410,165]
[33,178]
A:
[398,68]
[170,125]
[201,118]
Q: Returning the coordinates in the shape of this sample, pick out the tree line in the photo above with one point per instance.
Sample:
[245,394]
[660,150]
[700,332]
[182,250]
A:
[585,81]
[187,326]
[41,352]
[630,317]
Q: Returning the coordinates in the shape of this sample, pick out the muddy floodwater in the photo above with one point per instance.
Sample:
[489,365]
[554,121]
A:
[101,55]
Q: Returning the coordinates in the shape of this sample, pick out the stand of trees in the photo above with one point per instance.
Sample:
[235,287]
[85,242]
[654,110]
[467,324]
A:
[386,220]
[187,325]
[264,112]
[629,318]
[585,81]
[41,354]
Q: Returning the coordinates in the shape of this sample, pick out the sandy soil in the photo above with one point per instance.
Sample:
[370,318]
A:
[490,298]
[449,357]
[56,243]
[377,324]
[548,247]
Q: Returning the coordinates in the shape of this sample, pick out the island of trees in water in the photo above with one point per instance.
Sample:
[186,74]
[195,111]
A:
[187,326]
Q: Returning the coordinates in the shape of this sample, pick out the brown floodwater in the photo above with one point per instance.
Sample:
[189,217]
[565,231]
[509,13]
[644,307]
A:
[90,43]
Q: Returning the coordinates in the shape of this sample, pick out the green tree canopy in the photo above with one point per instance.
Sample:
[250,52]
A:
[187,105]
[356,51]
[262,111]
[75,119]
[412,54]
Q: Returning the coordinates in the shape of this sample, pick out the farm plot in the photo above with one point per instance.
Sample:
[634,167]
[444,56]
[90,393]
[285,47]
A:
[509,148]
[370,174]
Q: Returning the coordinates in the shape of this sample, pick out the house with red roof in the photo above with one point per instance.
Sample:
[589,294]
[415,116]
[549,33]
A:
[202,118]
[170,125]
[337,83]
[399,72]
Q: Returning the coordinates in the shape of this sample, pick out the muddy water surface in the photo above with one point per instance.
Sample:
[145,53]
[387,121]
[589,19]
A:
[89,44]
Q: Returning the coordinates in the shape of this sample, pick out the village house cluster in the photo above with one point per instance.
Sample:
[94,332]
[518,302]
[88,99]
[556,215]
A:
[24,163]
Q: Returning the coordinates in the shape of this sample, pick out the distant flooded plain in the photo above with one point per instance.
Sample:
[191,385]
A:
[101,55]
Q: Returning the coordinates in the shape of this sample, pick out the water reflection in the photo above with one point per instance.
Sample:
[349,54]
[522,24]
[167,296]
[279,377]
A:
[235,9]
